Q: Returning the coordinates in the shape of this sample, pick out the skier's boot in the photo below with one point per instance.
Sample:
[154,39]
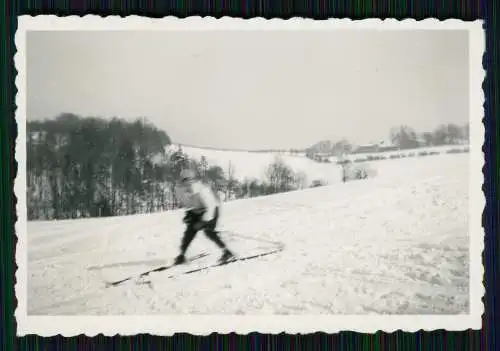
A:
[180,259]
[226,256]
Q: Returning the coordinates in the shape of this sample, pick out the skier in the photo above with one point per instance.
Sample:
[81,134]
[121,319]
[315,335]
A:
[202,213]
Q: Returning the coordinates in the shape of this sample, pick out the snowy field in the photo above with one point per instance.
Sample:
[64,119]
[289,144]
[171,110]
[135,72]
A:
[253,165]
[394,244]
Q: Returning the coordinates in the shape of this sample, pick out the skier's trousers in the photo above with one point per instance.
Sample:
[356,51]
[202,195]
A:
[192,218]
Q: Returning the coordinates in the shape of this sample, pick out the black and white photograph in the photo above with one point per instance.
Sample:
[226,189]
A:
[248,175]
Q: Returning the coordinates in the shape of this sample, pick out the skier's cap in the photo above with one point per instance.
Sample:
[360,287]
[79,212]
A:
[187,174]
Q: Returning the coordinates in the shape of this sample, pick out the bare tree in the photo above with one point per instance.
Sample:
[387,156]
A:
[230,179]
[404,137]
[280,176]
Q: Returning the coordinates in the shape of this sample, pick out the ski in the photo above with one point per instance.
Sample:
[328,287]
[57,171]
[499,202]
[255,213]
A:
[157,269]
[229,261]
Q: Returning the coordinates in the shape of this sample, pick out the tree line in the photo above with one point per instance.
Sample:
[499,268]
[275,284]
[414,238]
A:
[402,137]
[86,167]
[405,137]
[93,167]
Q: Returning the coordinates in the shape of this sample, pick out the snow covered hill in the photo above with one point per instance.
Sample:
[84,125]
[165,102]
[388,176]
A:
[397,244]
[253,165]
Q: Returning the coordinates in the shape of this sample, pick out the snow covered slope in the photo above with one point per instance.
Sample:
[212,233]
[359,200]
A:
[397,243]
[250,165]
[253,165]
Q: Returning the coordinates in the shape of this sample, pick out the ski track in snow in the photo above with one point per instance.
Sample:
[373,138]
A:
[394,244]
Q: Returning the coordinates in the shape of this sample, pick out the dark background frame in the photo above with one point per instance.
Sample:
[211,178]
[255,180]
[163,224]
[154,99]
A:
[485,339]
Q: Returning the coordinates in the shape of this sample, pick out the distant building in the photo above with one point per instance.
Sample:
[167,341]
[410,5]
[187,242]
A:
[421,141]
[366,148]
[382,146]
[385,146]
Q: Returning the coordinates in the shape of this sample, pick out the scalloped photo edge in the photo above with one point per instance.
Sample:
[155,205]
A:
[243,324]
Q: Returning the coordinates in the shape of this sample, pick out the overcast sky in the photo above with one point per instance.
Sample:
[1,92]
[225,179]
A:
[254,89]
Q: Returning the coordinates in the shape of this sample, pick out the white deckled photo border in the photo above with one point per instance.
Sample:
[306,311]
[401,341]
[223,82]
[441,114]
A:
[242,324]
